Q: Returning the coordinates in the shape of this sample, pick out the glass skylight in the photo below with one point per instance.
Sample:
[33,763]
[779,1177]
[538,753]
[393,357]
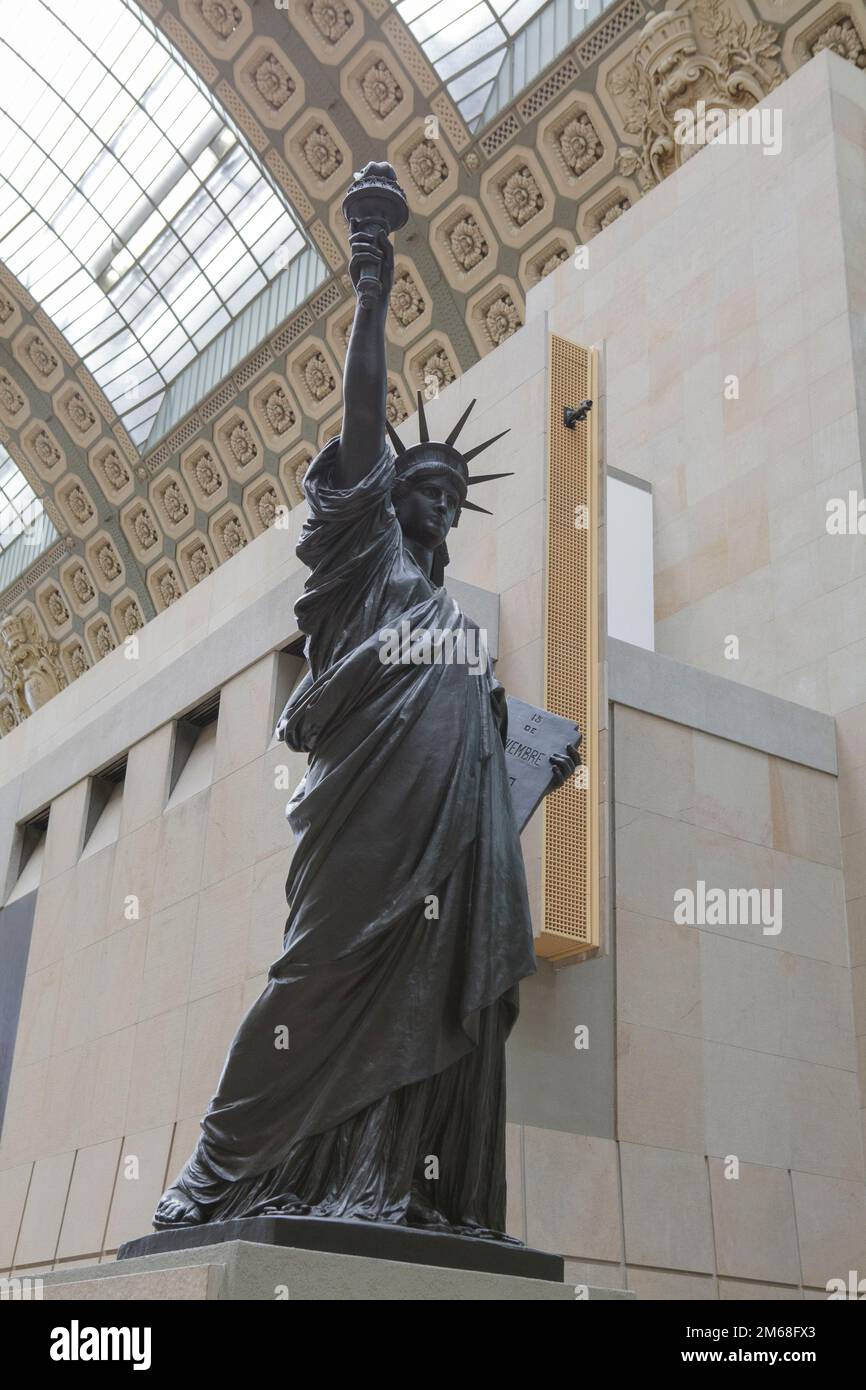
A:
[20,508]
[129,206]
[467,42]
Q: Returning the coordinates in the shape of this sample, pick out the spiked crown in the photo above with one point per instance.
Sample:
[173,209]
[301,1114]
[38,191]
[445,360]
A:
[430,458]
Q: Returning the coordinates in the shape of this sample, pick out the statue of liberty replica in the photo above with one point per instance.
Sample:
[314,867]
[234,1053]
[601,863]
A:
[378,1043]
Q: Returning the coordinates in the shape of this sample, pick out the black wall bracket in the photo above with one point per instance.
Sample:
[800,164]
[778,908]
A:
[572,413]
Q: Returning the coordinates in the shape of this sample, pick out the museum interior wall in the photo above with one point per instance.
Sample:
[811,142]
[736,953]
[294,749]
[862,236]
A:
[703,1042]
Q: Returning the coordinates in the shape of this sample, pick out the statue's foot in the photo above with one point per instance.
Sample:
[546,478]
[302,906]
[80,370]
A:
[176,1209]
[424,1215]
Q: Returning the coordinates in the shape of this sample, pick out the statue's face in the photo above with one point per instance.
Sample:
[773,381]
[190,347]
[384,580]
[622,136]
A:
[426,514]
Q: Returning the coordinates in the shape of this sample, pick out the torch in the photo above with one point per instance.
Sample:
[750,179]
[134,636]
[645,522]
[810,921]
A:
[375,201]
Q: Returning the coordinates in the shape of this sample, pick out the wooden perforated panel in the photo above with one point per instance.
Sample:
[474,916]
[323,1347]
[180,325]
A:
[570,885]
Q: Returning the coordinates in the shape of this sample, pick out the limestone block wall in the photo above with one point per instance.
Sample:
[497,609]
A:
[744,265]
[125,1023]
[748,266]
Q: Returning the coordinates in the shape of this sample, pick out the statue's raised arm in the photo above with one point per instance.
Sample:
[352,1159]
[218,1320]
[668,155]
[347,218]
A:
[374,206]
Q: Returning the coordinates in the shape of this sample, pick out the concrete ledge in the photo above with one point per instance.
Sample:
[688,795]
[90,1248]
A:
[684,694]
[188,1284]
[239,1271]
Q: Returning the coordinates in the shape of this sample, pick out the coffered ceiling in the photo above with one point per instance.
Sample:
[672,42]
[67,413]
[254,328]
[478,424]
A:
[317,88]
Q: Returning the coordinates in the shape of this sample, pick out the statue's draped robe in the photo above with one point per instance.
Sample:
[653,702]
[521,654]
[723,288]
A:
[408,923]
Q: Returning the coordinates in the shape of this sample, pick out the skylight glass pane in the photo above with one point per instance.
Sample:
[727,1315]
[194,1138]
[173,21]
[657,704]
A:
[479,74]
[19,505]
[457,34]
[472,55]
[453,35]
[103,217]
[516,15]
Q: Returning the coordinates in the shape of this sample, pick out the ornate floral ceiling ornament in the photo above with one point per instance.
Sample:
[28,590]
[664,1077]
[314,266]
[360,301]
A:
[79,412]
[173,501]
[275,85]
[278,411]
[131,617]
[502,319]
[467,242]
[200,563]
[144,528]
[115,470]
[266,506]
[79,504]
[224,18]
[46,449]
[56,608]
[207,473]
[611,214]
[407,303]
[579,144]
[78,660]
[318,377]
[553,261]
[81,585]
[332,19]
[395,407]
[437,371]
[232,534]
[242,444]
[522,196]
[321,153]
[667,73]
[107,561]
[300,471]
[382,91]
[841,37]
[42,358]
[169,588]
[11,398]
[102,637]
[427,166]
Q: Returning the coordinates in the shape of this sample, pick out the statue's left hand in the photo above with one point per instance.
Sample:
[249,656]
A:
[564,765]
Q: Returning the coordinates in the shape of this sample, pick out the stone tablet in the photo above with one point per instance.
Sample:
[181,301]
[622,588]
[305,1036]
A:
[534,735]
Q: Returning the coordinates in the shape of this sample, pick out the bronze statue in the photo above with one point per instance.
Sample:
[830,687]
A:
[368,1080]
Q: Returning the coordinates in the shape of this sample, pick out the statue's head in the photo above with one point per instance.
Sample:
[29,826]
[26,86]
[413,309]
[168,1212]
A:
[432,485]
[427,507]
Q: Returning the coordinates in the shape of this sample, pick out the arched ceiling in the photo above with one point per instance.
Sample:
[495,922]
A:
[129,210]
[318,87]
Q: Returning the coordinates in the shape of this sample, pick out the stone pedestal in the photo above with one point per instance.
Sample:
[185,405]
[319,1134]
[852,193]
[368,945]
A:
[236,1271]
[377,1240]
